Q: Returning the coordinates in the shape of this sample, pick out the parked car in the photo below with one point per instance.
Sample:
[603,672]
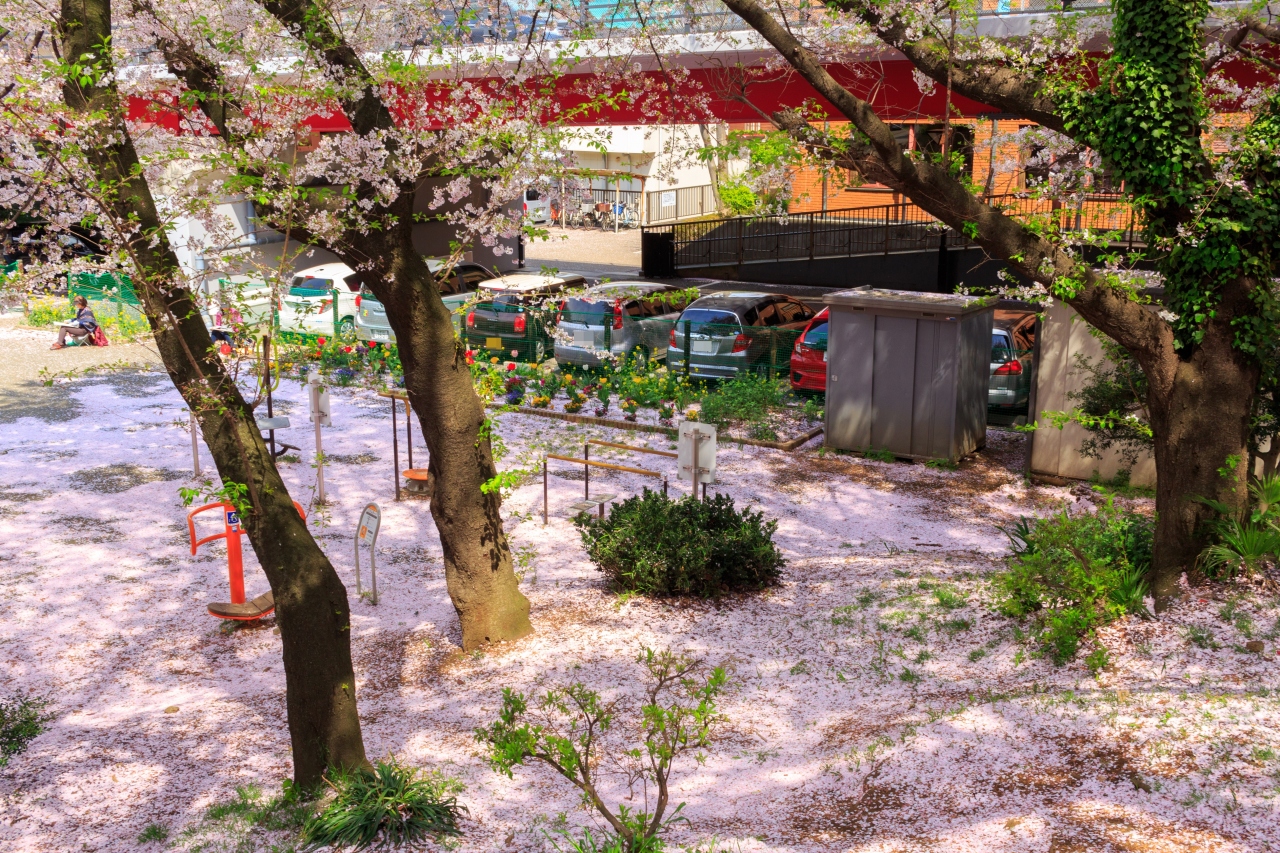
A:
[537,206]
[734,332]
[309,306]
[371,319]
[1009,389]
[809,358]
[623,318]
[516,313]
[240,304]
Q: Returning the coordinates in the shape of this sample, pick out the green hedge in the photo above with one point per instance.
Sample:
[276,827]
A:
[656,546]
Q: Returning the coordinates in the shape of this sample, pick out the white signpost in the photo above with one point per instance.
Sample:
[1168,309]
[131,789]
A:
[320,417]
[696,454]
[195,445]
[367,532]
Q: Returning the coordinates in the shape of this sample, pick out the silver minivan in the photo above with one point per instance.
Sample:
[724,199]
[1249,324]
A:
[729,334]
[621,319]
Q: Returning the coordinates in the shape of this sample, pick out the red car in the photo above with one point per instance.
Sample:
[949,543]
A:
[809,358]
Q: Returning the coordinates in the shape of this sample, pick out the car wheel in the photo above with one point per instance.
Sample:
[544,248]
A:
[639,360]
[346,327]
[539,351]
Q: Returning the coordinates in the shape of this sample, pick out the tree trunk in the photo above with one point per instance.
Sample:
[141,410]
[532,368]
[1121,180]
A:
[1200,420]
[311,601]
[477,560]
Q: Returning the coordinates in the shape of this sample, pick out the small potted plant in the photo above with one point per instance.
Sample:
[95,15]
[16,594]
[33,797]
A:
[576,401]
[629,408]
[666,413]
[602,398]
[540,401]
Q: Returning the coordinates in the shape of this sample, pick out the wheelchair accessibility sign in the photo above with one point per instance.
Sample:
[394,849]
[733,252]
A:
[233,518]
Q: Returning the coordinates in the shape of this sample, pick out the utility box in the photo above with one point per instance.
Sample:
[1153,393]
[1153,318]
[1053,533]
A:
[908,372]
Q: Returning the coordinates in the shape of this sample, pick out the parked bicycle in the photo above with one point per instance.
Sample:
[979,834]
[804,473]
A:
[621,215]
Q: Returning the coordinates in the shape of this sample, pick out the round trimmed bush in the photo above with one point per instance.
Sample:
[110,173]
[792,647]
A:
[656,546]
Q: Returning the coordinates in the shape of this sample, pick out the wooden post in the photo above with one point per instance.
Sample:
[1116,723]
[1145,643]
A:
[266,379]
[408,430]
[395,446]
[586,473]
[544,492]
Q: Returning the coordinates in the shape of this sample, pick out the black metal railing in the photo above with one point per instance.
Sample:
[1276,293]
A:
[885,229]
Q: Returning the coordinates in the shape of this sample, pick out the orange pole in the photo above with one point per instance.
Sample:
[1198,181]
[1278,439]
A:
[235,561]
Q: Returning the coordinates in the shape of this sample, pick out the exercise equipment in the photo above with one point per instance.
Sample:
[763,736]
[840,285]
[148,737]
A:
[237,609]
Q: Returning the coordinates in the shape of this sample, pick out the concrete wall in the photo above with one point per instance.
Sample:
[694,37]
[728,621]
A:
[1054,452]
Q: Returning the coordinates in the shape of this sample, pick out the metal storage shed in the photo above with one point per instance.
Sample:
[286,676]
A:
[907,372]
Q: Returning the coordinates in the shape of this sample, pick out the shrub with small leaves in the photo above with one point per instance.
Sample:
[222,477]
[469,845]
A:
[656,546]
[1071,574]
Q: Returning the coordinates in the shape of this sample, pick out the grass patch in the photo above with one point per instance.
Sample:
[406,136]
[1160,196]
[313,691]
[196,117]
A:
[877,455]
[22,719]
[744,399]
[392,805]
[153,832]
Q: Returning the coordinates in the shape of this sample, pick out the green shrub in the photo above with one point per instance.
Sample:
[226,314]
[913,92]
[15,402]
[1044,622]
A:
[1246,542]
[390,805]
[21,720]
[656,546]
[1072,574]
[747,398]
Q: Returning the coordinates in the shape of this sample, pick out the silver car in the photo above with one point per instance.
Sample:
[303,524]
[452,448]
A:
[1009,390]
[630,319]
[729,334]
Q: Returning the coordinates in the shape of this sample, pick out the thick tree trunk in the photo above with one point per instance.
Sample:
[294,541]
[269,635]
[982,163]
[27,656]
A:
[477,560]
[1200,419]
[311,601]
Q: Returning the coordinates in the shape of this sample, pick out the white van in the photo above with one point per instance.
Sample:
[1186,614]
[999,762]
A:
[321,301]
[537,206]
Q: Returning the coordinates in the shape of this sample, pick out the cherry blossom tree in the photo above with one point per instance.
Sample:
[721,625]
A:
[1179,103]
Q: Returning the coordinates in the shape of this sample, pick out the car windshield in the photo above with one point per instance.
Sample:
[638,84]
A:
[816,337]
[317,285]
[708,321]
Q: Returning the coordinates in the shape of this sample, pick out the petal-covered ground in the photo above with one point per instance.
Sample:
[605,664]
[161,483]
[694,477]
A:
[877,703]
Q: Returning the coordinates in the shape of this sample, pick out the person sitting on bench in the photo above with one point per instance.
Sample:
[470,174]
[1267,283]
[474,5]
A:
[81,327]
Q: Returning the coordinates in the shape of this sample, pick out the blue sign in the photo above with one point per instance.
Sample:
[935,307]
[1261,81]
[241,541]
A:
[233,518]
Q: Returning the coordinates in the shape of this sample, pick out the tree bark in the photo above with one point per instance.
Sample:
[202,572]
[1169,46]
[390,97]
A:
[478,566]
[1200,421]
[311,601]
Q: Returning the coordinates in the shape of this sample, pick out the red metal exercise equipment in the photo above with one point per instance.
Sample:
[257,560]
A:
[237,608]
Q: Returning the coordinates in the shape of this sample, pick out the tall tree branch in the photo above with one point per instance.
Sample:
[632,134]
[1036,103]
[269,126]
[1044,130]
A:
[990,83]
[934,189]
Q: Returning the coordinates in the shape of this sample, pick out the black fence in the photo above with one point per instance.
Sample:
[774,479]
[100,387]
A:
[879,230]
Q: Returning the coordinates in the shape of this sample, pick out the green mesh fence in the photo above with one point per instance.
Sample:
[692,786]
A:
[103,287]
